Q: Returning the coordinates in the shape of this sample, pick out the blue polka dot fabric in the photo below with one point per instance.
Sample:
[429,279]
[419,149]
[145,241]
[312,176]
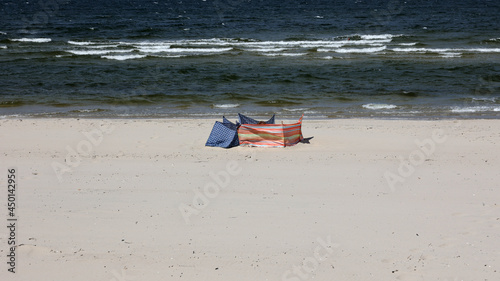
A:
[224,134]
[247,120]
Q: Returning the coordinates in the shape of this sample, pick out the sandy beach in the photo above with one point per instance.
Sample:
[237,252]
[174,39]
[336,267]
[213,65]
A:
[137,199]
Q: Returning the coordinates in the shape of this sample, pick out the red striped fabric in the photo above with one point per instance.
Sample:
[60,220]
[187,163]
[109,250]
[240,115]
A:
[270,135]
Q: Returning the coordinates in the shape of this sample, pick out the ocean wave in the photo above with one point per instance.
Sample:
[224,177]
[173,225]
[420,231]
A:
[217,45]
[380,36]
[163,49]
[289,44]
[14,103]
[124,57]
[96,52]
[154,49]
[3,33]
[485,99]
[226,105]
[377,106]
[101,46]
[447,50]
[361,50]
[88,110]
[296,109]
[475,109]
[171,56]
[94,45]
[285,54]
[199,50]
[13,116]
[3,47]
[451,55]
[257,44]
[484,50]
[32,40]
[214,45]
[408,44]
[418,50]
[84,43]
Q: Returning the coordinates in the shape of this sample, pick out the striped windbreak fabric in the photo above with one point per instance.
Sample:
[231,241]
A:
[270,135]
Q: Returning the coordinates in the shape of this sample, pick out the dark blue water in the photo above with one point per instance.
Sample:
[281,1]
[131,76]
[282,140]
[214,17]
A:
[389,59]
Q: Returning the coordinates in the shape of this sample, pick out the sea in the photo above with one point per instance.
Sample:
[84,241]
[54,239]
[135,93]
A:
[426,59]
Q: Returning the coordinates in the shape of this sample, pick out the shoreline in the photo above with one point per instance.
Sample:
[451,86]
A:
[235,116]
[145,199]
[488,109]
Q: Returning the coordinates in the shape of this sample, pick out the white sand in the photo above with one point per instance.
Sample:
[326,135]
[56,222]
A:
[319,211]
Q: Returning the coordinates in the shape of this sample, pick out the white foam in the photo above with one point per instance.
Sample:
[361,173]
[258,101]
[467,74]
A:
[473,109]
[164,49]
[278,44]
[101,46]
[485,50]
[285,54]
[3,33]
[447,50]
[376,106]
[80,43]
[420,50]
[379,37]
[32,40]
[366,42]
[96,52]
[135,44]
[201,50]
[199,42]
[324,50]
[226,105]
[296,109]
[154,49]
[221,45]
[361,50]
[485,99]
[171,56]
[312,112]
[124,57]
[408,44]
[312,44]
[88,110]
[339,44]
[451,55]
[293,54]
[3,47]
[290,44]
